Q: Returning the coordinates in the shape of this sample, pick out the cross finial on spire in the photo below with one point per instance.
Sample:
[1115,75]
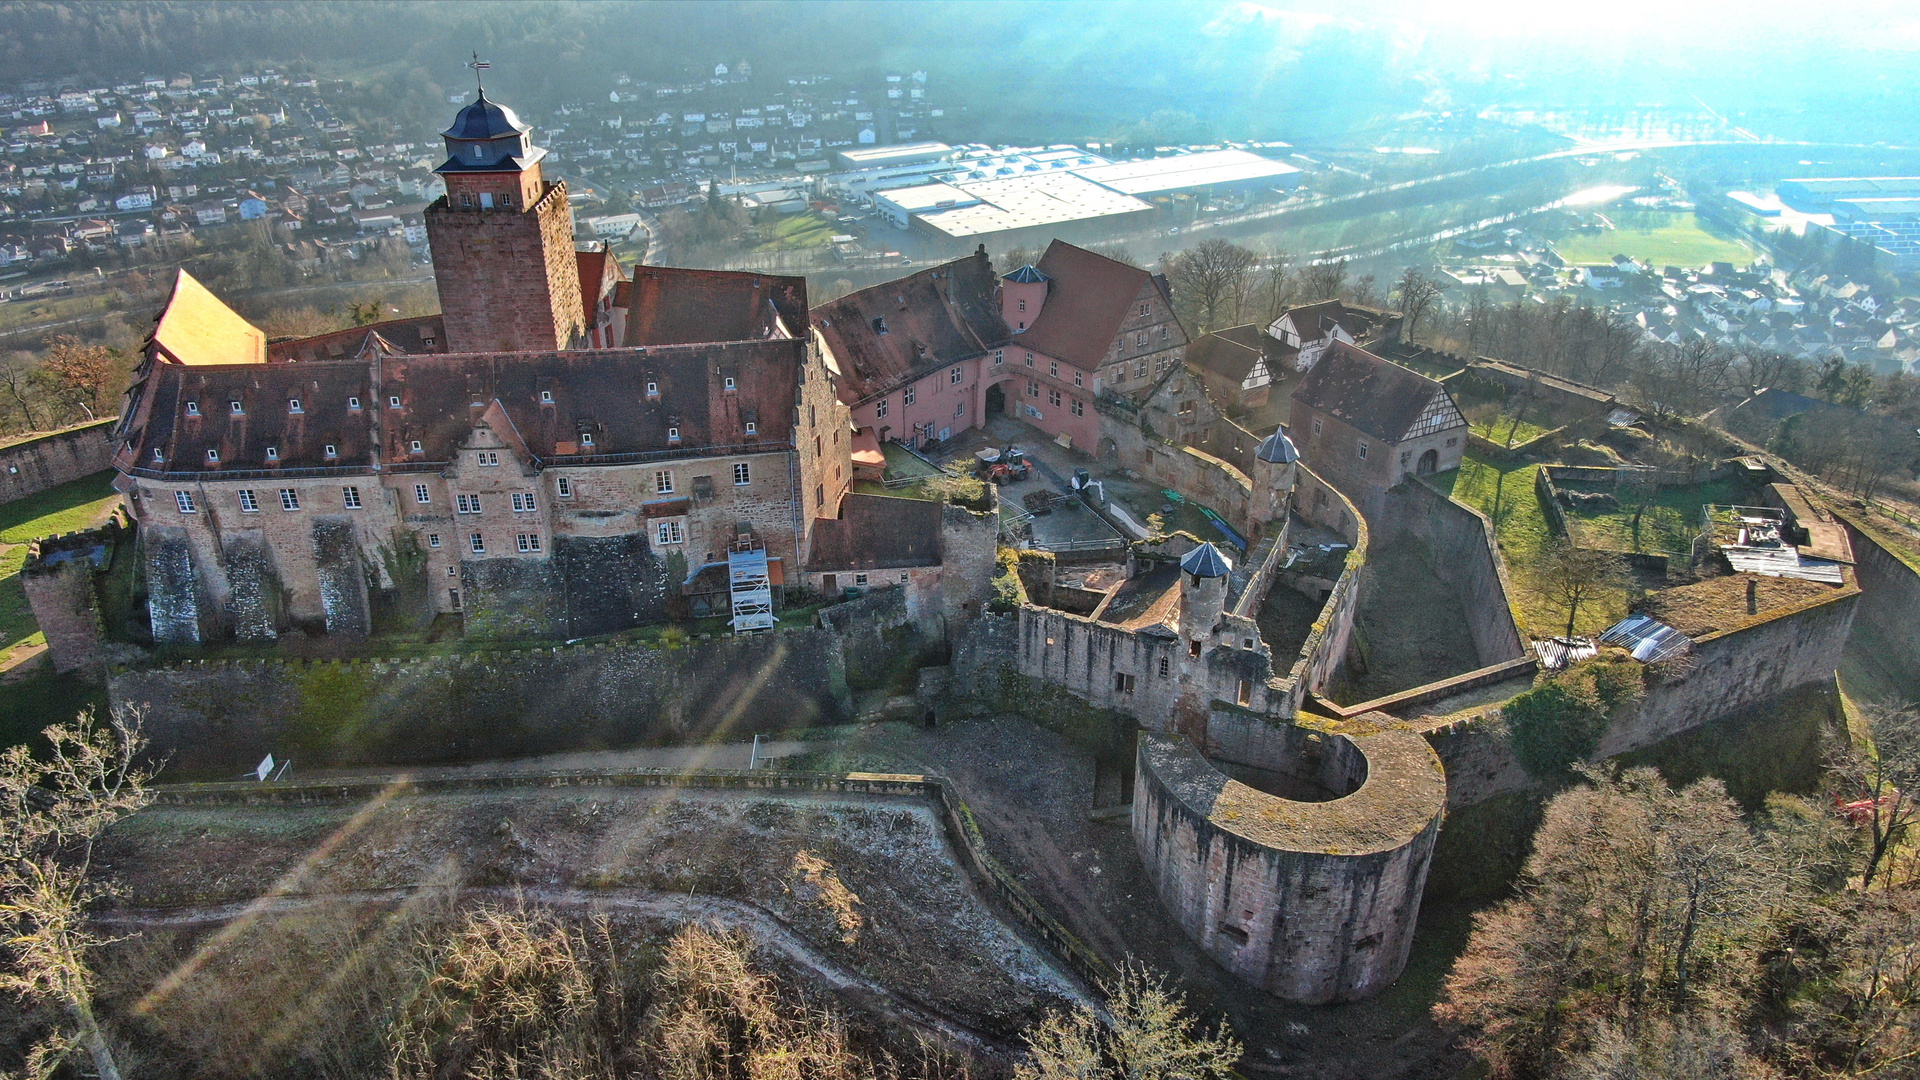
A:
[478,65]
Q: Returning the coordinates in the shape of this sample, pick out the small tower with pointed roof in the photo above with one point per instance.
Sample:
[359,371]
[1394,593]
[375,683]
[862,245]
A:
[1276,465]
[1203,595]
[502,239]
[1022,294]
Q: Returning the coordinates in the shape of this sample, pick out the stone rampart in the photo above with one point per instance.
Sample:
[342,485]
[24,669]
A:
[38,462]
[1460,542]
[1315,902]
[219,717]
[1889,604]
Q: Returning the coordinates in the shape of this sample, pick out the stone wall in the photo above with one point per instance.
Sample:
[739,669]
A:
[58,578]
[220,717]
[1890,598]
[519,289]
[39,462]
[1315,902]
[1460,542]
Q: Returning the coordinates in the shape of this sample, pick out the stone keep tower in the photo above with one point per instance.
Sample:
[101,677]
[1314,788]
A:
[503,240]
[1275,471]
[1203,595]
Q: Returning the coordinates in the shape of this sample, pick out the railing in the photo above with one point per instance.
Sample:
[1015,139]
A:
[306,472]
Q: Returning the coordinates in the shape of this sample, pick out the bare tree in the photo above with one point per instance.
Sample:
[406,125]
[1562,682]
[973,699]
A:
[1417,293]
[1683,379]
[1573,577]
[1323,281]
[87,374]
[14,376]
[1277,285]
[1148,1035]
[1884,781]
[1765,368]
[56,808]
[1211,278]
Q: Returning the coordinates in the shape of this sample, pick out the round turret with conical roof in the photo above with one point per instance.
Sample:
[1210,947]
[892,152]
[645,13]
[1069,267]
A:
[1203,594]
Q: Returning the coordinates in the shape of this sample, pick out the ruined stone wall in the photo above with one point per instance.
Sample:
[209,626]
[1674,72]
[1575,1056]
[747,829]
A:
[58,578]
[1460,543]
[39,462]
[218,718]
[1889,603]
[969,544]
[1315,902]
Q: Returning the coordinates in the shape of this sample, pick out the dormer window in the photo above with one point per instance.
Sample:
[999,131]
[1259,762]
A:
[158,457]
[673,434]
[729,382]
[414,447]
[235,408]
[213,456]
[653,390]
[353,403]
[332,451]
[476,151]
[293,405]
[546,397]
[393,402]
[879,325]
[753,428]
[193,408]
[273,453]
[586,437]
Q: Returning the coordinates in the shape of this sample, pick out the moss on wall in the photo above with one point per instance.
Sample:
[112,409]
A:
[1778,746]
[1107,735]
[1483,847]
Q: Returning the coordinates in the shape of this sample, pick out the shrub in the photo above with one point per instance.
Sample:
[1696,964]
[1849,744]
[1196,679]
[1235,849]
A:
[1560,720]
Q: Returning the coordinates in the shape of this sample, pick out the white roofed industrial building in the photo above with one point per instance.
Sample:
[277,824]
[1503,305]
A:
[1184,172]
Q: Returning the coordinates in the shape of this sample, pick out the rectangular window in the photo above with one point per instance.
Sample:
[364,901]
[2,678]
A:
[859,579]
[1165,333]
[953,376]
[1029,359]
[1053,368]
[1363,451]
[880,408]
[453,599]
[193,408]
[1316,425]
[293,405]
[213,456]
[414,447]
[331,451]
[273,453]
[1079,378]
[467,504]
[420,494]
[663,482]
[1122,683]
[393,402]
[433,540]
[1165,664]
[753,428]
[477,542]
[1079,407]
[586,437]
[528,541]
[546,397]
[185,499]
[668,532]
[1023,305]
[1140,368]
[353,403]
[741,474]
[289,499]
[1143,310]
[1033,388]
[350,495]
[1140,339]
[565,487]
[489,457]
[960,409]
[729,382]
[653,389]
[999,357]
[234,408]
[248,504]
[906,396]
[1053,397]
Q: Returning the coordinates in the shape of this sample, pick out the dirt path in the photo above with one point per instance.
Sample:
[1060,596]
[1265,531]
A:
[767,929]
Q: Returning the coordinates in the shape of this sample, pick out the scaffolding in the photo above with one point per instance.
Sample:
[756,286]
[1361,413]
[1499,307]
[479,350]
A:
[752,590]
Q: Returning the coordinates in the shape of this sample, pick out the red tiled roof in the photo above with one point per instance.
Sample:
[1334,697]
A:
[1087,302]
[933,317]
[397,335]
[670,305]
[603,391]
[1359,389]
[876,532]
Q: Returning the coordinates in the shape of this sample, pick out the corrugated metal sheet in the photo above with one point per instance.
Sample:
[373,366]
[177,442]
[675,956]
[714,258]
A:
[1648,639]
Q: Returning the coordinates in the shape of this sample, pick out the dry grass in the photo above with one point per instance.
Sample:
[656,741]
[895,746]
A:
[1721,602]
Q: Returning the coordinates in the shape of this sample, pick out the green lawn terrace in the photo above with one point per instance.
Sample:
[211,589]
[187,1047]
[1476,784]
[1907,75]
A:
[1669,515]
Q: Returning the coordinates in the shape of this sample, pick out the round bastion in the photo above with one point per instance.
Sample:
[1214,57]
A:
[1313,901]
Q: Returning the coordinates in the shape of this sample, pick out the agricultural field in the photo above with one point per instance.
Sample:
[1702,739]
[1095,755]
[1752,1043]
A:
[1661,239]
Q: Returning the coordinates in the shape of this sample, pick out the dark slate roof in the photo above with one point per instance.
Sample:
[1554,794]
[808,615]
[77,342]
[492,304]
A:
[394,336]
[1087,301]
[1027,275]
[876,532]
[670,305]
[484,119]
[1206,561]
[603,391]
[1217,354]
[1314,321]
[1361,390]
[934,317]
[1277,449]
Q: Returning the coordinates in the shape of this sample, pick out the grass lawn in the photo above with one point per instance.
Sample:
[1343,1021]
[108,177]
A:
[902,463]
[1507,430]
[81,504]
[797,231]
[1679,241]
[1669,525]
[1506,494]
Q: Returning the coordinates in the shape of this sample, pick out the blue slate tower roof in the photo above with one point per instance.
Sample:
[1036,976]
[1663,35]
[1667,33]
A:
[1207,562]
